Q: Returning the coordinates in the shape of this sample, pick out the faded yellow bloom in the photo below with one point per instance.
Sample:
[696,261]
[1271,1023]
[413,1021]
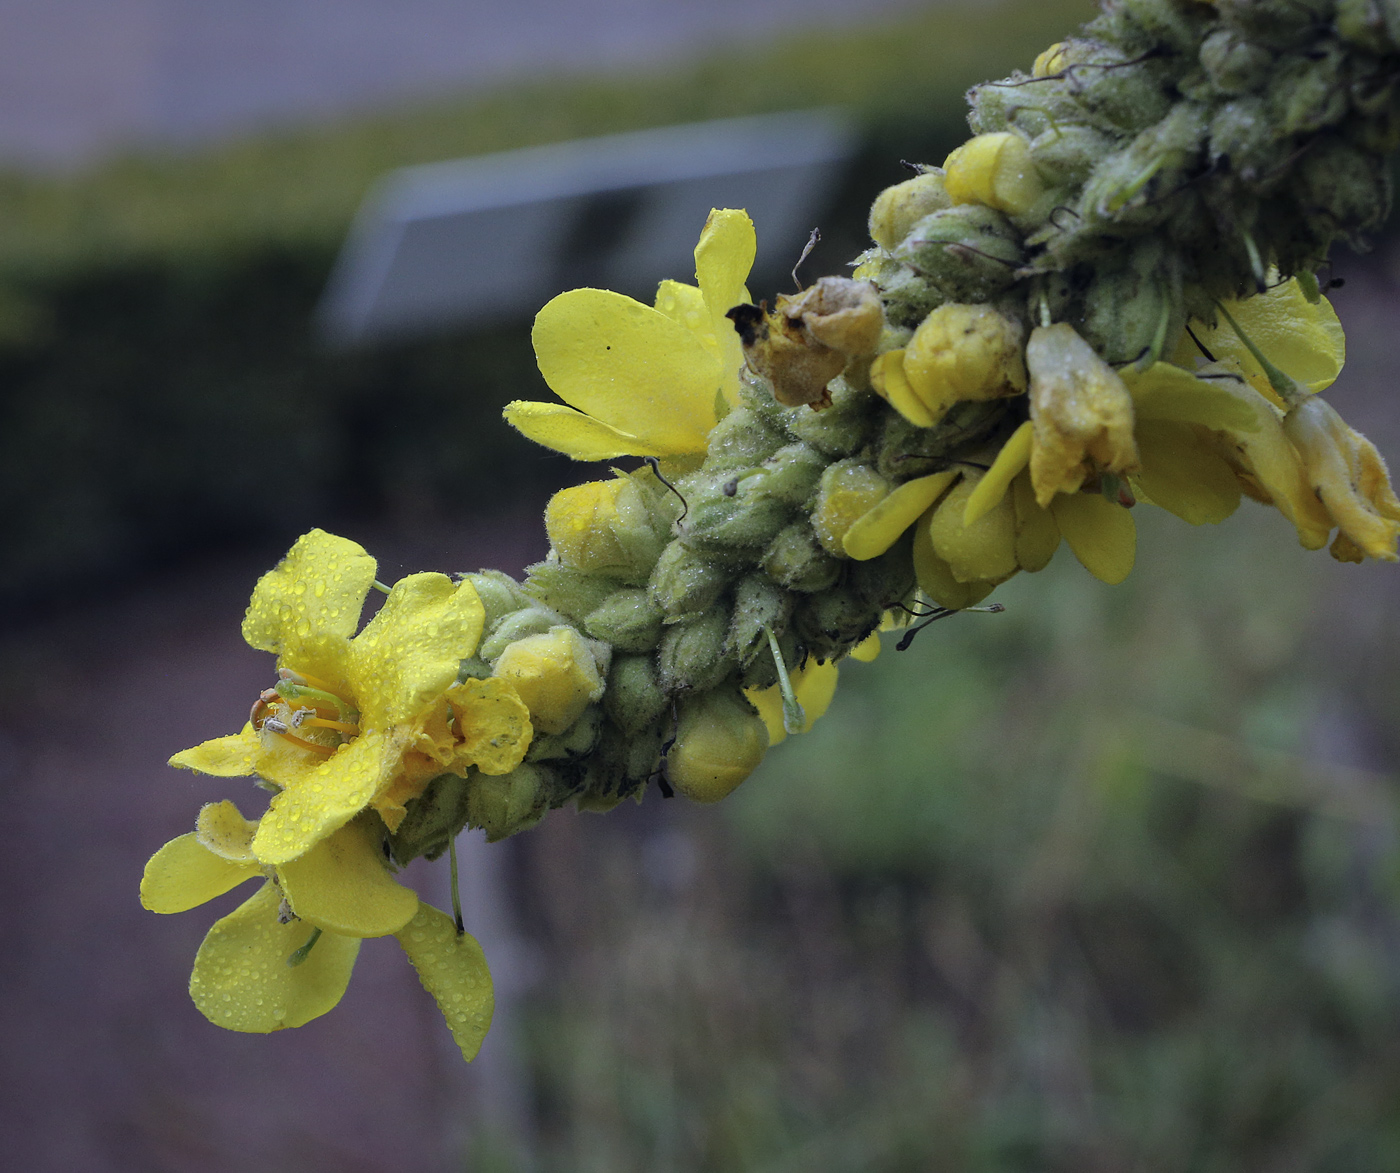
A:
[555,673]
[1081,411]
[962,352]
[720,740]
[1350,479]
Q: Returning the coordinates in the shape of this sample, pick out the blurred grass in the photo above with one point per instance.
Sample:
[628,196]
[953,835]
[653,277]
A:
[1105,882]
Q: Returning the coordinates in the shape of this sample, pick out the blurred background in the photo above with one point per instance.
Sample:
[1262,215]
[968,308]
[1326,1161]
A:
[1106,882]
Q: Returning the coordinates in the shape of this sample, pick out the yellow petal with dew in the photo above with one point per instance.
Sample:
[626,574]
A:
[308,605]
[579,436]
[891,383]
[1101,534]
[769,703]
[1037,535]
[984,551]
[630,366]
[1015,455]
[223,757]
[493,724]
[1165,392]
[222,829]
[994,169]
[1183,474]
[242,980]
[341,885]
[868,649]
[325,796]
[877,530]
[814,686]
[410,652]
[184,874]
[684,304]
[453,970]
[723,259]
[936,577]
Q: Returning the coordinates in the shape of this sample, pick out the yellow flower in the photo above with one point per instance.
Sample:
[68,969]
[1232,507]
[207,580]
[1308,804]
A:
[996,170]
[364,721]
[285,955]
[720,740]
[555,673]
[1350,479]
[644,381]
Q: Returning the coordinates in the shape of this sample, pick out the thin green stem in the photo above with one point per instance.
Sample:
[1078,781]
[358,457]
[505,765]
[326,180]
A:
[1287,387]
[794,719]
[456,892]
[301,954]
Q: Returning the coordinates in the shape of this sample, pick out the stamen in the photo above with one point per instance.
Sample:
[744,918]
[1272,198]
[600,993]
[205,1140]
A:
[1287,387]
[321,723]
[456,894]
[298,741]
[794,719]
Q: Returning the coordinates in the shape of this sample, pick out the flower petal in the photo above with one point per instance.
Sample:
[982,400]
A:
[453,970]
[1165,392]
[325,796]
[630,366]
[936,576]
[494,725]
[878,529]
[889,381]
[222,829]
[1303,339]
[868,649]
[308,605]
[341,885]
[1101,534]
[1183,475]
[223,757]
[576,435]
[241,979]
[412,649]
[184,874]
[723,259]
[1015,455]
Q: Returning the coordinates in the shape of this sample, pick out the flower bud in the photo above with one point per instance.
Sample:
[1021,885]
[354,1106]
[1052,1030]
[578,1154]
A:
[1133,310]
[759,603]
[729,515]
[829,624]
[554,673]
[499,594]
[512,802]
[971,252]
[1082,412]
[1234,64]
[795,560]
[849,490]
[995,170]
[965,352]
[634,698]
[691,655]
[897,209]
[685,582]
[532,620]
[1065,155]
[627,619]
[720,740]
[573,593]
[843,427]
[603,527]
[742,439]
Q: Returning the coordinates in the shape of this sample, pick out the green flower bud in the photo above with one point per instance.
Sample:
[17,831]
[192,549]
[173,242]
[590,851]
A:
[432,820]
[729,515]
[1134,311]
[1117,91]
[883,581]
[634,698]
[556,673]
[508,803]
[1306,94]
[970,252]
[791,474]
[720,740]
[762,671]
[742,439]
[844,427]
[627,619]
[1338,185]
[831,623]
[1065,155]
[691,656]
[1234,64]
[849,490]
[499,594]
[684,582]
[795,560]
[571,592]
[1136,185]
[1240,134]
[576,742]
[1372,24]
[1165,22]
[759,604]
[897,209]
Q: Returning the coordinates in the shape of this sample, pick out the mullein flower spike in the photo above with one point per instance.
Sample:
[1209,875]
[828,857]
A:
[1104,300]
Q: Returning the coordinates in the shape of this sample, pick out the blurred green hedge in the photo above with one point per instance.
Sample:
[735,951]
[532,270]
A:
[160,385]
